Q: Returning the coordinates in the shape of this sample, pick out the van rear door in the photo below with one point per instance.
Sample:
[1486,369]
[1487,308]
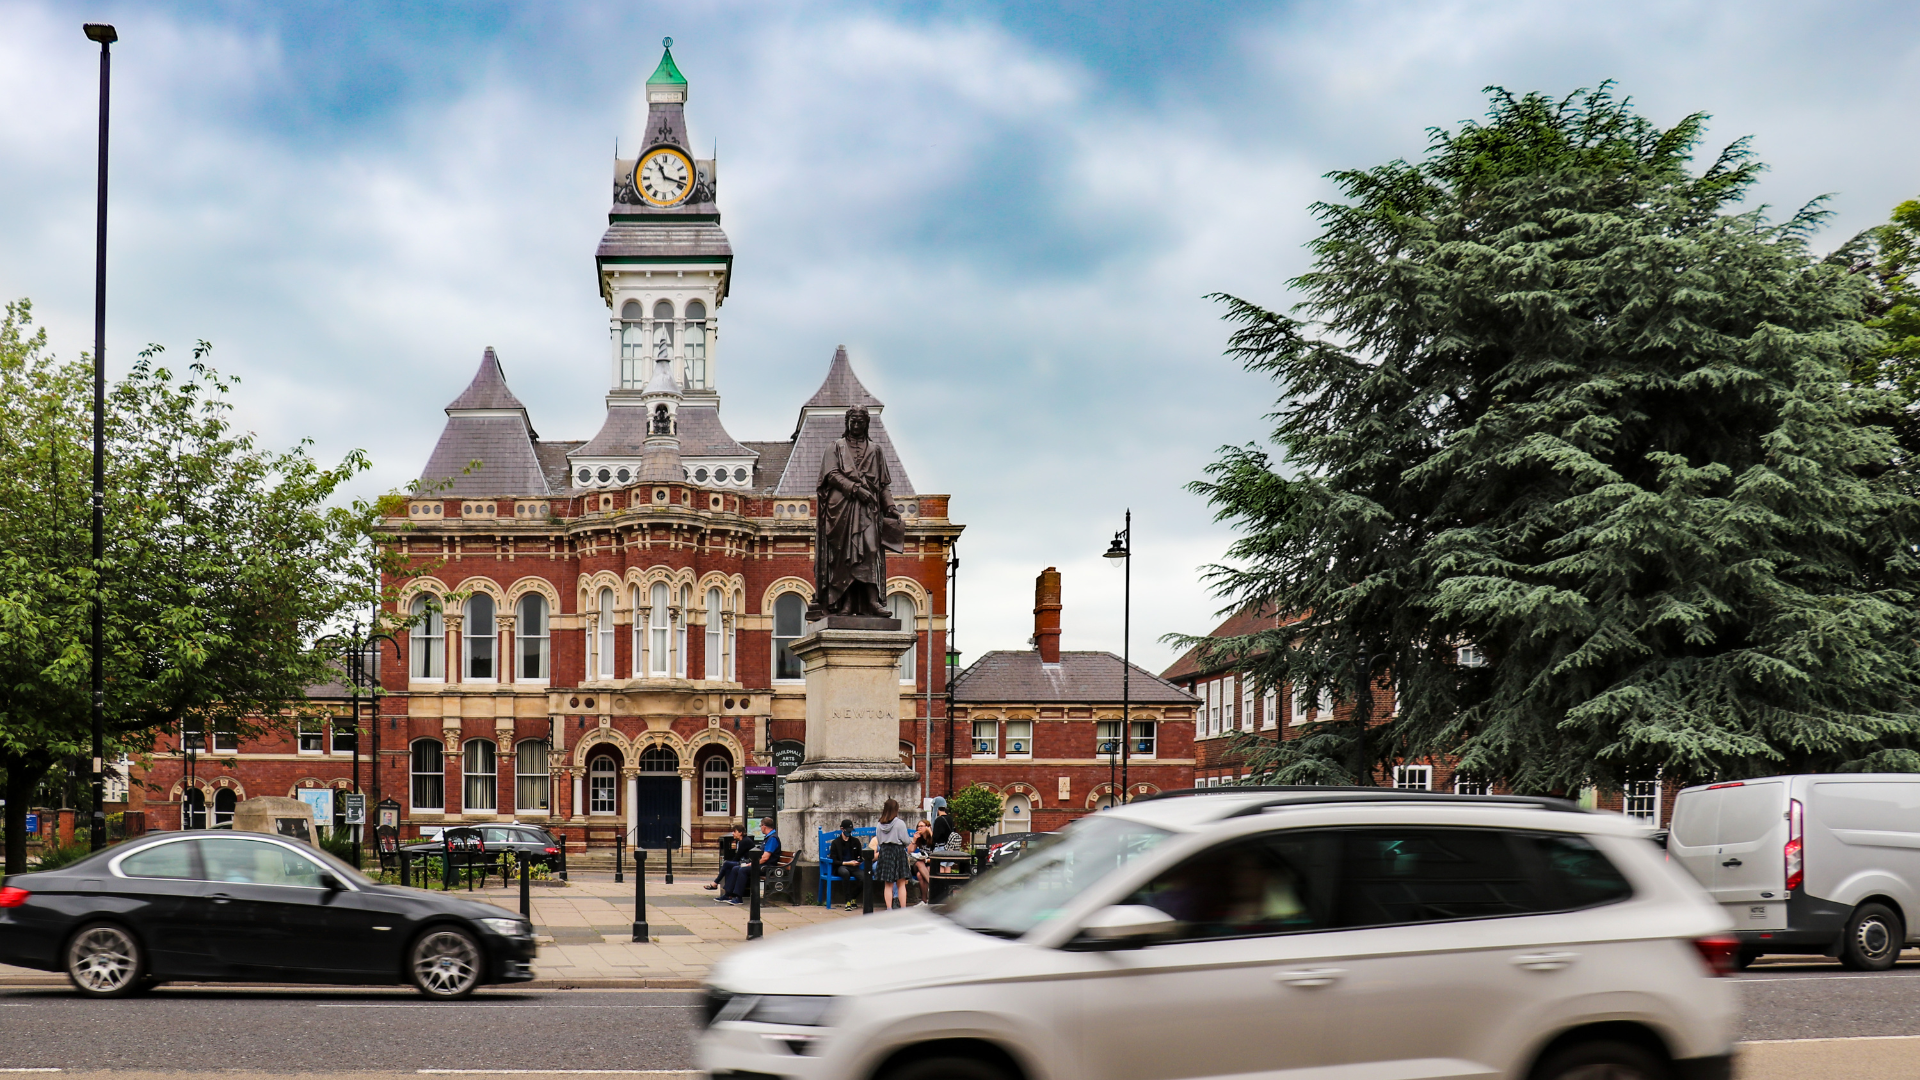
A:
[1731,838]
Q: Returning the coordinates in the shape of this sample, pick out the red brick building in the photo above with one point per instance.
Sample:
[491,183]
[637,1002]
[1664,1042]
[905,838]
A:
[1231,703]
[1041,726]
[596,633]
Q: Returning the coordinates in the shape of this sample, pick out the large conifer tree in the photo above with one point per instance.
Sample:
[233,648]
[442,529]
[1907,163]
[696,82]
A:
[1555,397]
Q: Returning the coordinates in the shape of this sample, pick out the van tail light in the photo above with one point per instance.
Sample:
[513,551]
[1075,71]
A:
[1795,852]
[1720,953]
[12,896]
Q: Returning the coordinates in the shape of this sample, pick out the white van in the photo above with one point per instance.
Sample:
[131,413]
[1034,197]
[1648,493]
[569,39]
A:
[1808,864]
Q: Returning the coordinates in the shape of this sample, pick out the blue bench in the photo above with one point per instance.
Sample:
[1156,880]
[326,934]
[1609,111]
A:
[827,875]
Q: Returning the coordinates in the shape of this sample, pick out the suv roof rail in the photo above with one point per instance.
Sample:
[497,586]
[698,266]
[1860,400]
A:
[1307,795]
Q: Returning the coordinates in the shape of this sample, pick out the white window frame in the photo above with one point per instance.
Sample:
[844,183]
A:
[1106,735]
[542,641]
[415,775]
[427,657]
[716,788]
[1413,777]
[541,780]
[636,361]
[611,787]
[659,656]
[1270,708]
[477,647]
[1013,737]
[1640,800]
[1144,743]
[604,650]
[1024,821]
[1470,655]
[305,729]
[1246,702]
[778,639]
[1464,784]
[715,665]
[695,345]
[485,781]
[217,817]
[988,747]
[342,737]
[902,606]
[682,615]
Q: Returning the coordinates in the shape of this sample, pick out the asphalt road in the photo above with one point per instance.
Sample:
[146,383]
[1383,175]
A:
[284,1032]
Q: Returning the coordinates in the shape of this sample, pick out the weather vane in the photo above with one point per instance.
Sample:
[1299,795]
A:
[666,43]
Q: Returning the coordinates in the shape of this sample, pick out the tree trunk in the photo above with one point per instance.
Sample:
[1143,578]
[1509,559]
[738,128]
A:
[23,776]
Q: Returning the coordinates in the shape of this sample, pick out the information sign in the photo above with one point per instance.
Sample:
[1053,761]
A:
[355,807]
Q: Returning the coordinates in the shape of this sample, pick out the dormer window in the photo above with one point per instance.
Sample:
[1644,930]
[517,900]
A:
[633,346]
[696,345]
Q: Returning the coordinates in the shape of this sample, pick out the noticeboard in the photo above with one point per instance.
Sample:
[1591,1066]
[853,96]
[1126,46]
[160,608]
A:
[761,794]
[389,812]
[354,806]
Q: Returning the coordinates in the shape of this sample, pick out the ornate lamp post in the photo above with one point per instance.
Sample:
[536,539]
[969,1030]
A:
[1122,549]
[106,36]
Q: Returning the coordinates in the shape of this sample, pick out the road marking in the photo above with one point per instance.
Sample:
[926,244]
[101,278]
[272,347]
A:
[450,1005]
[27,1070]
[1835,1038]
[555,1072]
[1813,978]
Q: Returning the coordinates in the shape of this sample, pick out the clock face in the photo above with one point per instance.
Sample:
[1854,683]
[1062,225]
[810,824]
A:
[663,177]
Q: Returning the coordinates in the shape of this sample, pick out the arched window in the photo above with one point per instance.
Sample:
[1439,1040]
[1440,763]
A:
[657,657]
[606,633]
[482,639]
[680,631]
[429,659]
[903,609]
[662,328]
[477,764]
[635,366]
[1017,814]
[638,628]
[733,625]
[530,630]
[224,801]
[530,777]
[601,786]
[696,345]
[716,626]
[193,809]
[789,619]
[429,776]
[716,788]
[659,759]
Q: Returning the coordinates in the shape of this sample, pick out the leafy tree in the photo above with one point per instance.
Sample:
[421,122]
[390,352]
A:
[224,561]
[973,808]
[1555,398]
[1887,257]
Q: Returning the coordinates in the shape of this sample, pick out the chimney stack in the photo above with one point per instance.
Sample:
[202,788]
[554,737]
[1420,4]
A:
[1046,615]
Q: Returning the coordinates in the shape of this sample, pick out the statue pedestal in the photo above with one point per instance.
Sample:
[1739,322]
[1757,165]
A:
[852,765]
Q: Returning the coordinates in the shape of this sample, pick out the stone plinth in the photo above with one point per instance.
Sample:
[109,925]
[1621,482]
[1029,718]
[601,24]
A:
[852,764]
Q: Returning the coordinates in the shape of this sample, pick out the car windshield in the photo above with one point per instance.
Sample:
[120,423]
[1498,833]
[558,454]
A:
[1013,898]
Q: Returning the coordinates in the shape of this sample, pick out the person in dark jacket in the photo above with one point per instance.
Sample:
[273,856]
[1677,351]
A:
[732,848]
[942,824]
[768,856]
[843,854]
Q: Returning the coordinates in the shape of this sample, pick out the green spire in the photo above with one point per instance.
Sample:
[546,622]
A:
[666,74]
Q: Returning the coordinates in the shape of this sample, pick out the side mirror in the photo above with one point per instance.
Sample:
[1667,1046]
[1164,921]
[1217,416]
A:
[1124,926]
[331,883]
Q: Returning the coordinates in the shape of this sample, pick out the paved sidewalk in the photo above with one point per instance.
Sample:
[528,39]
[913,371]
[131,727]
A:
[586,931]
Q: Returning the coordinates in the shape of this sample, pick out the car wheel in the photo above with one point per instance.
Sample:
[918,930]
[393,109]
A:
[1873,939]
[1602,1061]
[445,963]
[103,960]
[947,1068]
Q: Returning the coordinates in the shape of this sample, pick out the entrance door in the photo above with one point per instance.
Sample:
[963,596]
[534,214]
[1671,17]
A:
[659,811]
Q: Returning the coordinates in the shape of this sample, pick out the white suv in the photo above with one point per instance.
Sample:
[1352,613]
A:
[1279,933]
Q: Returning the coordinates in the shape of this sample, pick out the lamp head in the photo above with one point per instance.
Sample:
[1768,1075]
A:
[101,32]
[1117,549]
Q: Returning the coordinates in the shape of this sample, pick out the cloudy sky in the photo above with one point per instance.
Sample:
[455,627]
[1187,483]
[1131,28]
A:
[1009,212]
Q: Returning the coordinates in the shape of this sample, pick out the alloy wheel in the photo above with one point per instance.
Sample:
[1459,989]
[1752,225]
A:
[446,963]
[103,960]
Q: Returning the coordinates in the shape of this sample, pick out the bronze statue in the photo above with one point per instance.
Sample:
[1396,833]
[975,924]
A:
[857,526]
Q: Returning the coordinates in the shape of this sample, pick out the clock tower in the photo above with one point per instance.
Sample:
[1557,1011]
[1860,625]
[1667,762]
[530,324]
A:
[664,266]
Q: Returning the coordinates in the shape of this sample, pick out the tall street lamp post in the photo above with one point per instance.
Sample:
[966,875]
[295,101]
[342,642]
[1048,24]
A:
[105,35]
[1122,549]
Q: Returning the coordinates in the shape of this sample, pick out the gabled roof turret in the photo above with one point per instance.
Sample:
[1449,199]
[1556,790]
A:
[488,425]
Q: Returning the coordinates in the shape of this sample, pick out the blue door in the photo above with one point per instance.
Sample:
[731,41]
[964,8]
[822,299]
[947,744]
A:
[659,812]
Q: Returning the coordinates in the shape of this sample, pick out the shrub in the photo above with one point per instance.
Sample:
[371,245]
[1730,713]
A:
[974,808]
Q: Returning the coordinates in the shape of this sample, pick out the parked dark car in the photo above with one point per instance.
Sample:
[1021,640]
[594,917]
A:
[529,841]
[249,907]
[1009,846]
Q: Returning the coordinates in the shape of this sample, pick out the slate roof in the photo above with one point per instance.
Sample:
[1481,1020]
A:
[703,435]
[1240,623]
[1015,676]
[661,240]
[553,462]
[842,388]
[773,461]
[486,424]
[817,432]
[622,434]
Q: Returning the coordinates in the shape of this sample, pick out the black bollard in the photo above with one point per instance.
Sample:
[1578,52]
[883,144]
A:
[619,851]
[669,866]
[526,890]
[753,897]
[639,896]
[446,869]
[406,865]
[562,837]
[866,882]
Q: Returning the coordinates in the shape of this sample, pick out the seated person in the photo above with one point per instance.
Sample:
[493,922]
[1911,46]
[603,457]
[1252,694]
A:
[844,856]
[922,861]
[733,847]
[739,881]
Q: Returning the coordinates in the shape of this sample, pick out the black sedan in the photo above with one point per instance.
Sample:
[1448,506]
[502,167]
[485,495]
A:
[249,907]
[529,842]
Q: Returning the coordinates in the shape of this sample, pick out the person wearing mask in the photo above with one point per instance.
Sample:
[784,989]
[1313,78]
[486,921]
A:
[890,869]
[737,886]
[733,848]
[843,855]
[942,824]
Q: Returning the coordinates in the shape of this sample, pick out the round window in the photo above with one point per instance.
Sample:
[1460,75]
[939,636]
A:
[700,475]
[606,475]
[740,475]
[624,474]
[586,475]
